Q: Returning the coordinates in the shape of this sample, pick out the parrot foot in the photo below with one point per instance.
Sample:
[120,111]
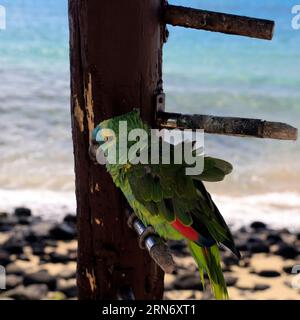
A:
[149,231]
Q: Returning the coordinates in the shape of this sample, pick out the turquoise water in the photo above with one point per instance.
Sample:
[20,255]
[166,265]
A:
[204,72]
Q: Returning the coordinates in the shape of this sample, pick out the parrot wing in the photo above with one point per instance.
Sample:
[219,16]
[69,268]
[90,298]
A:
[182,200]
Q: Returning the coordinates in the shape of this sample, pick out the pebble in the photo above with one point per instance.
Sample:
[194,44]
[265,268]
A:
[55,257]
[4,258]
[261,287]
[269,273]
[188,282]
[22,212]
[13,281]
[287,251]
[258,225]
[32,292]
[63,232]
[230,280]
[67,287]
[258,247]
[12,268]
[40,277]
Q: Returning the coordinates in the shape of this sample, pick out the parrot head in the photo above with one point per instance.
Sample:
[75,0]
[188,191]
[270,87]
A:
[109,133]
[109,130]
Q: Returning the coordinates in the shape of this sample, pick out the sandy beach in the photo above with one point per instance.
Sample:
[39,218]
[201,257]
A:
[40,261]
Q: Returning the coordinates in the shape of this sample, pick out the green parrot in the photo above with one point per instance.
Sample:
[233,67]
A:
[176,205]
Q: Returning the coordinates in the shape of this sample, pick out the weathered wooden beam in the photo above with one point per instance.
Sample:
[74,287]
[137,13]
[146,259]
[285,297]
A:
[116,65]
[228,126]
[219,22]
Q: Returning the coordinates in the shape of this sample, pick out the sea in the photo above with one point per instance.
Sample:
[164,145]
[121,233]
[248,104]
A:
[204,72]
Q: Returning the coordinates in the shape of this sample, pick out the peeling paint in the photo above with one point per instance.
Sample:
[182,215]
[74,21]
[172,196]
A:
[99,222]
[88,92]
[92,279]
[95,188]
[79,115]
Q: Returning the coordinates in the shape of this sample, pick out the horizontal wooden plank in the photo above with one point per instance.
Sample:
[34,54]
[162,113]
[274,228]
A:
[219,22]
[228,125]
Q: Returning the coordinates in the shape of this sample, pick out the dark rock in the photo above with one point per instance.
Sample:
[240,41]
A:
[298,236]
[241,245]
[254,239]
[287,251]
[258,247]
[4,258]
[38,249]
[32,292]
[13,281]
[25,221]
[63,232]
[284,231]
[55,257]
[242,230]
[50,243]
[188,282]
[23,257]
[256,225]
[3,215]
[231,281]
[288,269]
[261,287]
[7,222]
[274,238]
[14,245]
[230,261]
[5,228]
[12,268]
[68,287]
[39,231]
[40,277]
[70,219]
[178,248]
[22,212]
[269,274]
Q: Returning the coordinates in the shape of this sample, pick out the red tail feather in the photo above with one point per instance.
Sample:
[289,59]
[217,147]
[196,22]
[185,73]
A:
[186,231]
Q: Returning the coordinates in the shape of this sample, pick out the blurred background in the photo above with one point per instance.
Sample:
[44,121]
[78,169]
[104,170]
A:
[204,72]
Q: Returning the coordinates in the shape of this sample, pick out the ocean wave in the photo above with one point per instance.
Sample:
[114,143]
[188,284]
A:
[50,205]
[278,210]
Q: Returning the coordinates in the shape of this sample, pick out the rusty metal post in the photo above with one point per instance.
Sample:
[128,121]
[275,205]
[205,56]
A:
[116,65]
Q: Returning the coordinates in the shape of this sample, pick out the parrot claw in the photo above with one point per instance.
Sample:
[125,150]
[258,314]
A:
[130,220]
[149,231]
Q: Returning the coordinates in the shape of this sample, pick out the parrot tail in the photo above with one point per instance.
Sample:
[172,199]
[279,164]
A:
[208,260]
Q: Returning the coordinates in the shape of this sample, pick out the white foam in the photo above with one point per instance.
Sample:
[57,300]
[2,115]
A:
[45,203]
[278,210]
